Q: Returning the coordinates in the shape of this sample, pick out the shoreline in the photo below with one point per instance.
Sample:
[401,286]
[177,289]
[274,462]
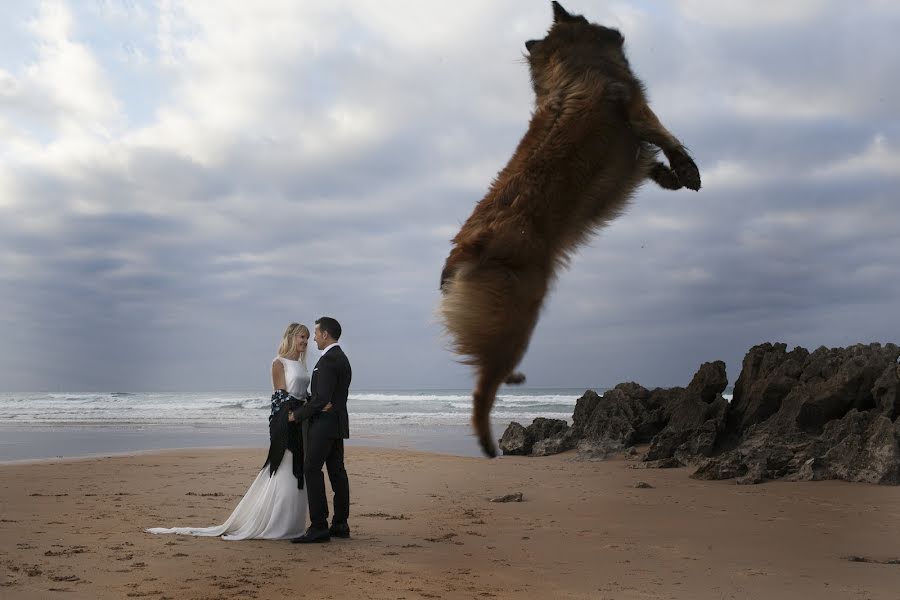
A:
[125,454]
[423,527]
[23,443]
[163,451]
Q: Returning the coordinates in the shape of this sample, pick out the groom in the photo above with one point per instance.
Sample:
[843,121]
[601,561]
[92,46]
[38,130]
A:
[327,428]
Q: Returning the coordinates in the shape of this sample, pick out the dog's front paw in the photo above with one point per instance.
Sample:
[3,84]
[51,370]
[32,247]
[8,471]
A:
[515,379]
[687,172]
[664,177]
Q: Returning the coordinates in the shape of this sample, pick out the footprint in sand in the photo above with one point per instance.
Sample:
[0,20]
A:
[866,559]
[66,551]
[385,516]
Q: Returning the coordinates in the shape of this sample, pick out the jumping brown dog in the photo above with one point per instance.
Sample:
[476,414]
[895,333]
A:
[591,142]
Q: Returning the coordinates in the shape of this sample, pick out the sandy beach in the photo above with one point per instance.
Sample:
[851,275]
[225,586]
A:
[423,527]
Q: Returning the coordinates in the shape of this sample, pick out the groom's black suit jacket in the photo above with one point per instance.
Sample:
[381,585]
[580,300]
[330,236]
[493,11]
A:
[330,383]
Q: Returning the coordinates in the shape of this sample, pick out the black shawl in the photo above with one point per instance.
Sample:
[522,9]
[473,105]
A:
[284,435]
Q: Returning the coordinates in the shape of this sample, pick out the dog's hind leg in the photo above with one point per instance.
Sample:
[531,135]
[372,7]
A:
[482,402]
[493,370]
[496,362]
[491,312]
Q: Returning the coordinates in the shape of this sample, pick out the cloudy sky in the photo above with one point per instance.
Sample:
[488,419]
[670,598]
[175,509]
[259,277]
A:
[180,180]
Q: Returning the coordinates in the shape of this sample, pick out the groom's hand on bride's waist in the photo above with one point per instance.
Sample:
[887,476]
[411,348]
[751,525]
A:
[292,418]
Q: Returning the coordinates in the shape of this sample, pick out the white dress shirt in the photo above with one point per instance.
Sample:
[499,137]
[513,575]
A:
[327,348]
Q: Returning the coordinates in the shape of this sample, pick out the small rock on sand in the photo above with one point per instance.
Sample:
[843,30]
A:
[517,497]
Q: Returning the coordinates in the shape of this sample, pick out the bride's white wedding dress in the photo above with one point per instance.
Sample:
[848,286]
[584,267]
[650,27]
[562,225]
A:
[273,508]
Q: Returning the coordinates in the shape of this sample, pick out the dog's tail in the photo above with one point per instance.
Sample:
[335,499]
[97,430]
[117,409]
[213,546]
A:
[490,312]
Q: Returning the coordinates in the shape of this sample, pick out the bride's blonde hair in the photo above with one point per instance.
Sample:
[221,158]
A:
[287,340]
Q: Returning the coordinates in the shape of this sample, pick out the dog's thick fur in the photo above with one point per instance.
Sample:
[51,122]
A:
[591,141]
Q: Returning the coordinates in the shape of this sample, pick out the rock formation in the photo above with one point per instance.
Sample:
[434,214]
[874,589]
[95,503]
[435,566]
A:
[829,414]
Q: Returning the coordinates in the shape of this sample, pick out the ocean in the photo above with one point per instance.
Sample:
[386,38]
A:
[49,425]
[66,425]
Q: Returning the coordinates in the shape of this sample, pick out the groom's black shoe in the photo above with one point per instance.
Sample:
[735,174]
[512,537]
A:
[339,530]
[313,536]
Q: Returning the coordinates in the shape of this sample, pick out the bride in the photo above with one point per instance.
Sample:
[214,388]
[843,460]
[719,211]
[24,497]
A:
[274,507]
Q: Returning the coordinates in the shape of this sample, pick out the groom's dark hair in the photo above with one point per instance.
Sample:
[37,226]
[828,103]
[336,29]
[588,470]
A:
[331,326]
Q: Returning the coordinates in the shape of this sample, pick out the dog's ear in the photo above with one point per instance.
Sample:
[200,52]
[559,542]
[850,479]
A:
[561,15]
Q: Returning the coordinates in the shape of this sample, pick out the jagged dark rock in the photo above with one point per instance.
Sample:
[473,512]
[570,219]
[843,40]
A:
[515,440]
[559,442]
[709,382]
[695,417]
[684,421]
[624,416]
[541,428]
[833,413]
[802,391]
[862,446]
[543,437]
[886,393]
[662,463]
[829,414]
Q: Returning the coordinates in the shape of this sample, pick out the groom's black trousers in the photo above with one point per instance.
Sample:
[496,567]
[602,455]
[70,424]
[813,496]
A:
[329,452]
